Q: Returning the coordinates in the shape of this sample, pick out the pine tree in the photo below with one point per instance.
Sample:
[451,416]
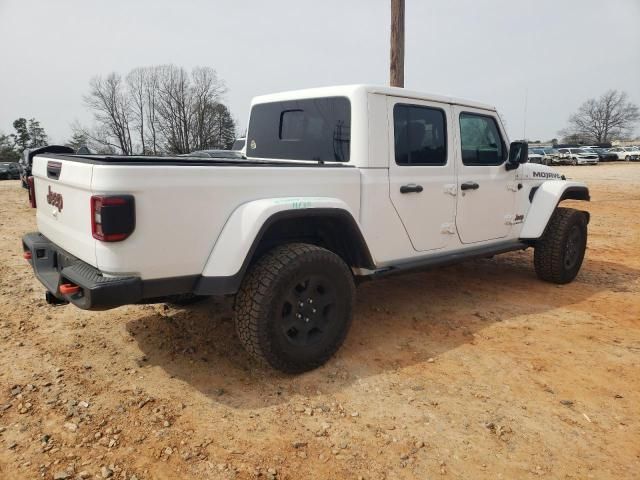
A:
[29,134]
[226,134]
[77,140]
[37,135]
[21,137]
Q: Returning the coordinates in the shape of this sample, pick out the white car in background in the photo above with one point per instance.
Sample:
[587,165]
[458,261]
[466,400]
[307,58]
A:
[626,153]
[549,156]
[579,156]
[536,158]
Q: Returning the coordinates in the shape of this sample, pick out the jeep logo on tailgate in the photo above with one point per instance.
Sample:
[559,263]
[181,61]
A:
[54,199]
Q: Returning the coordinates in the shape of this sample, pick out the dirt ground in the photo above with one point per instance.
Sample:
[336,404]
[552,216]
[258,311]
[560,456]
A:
[472,371]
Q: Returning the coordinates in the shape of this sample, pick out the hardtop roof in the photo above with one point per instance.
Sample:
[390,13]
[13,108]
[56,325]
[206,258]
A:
[360,89]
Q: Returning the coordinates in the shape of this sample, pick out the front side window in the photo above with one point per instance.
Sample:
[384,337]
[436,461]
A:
[309,129]
[481,140]
[419,135]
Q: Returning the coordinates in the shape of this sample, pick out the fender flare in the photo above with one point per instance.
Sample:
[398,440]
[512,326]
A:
[241,235]
[544,201]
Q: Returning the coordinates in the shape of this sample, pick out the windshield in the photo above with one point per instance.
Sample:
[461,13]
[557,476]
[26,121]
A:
[580,150]
[539,151]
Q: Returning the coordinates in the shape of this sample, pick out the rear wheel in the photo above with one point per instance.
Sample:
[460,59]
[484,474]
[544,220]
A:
[626,158]
[559,253]
[294,308]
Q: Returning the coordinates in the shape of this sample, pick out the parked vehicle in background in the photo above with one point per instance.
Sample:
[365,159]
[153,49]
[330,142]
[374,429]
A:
[239,144]
[9,171]
[579,156]
[625,153]
[27,160]
[564,157]
[549,155]
[214,154]
[603,154]
[634,153]
[341,184]
[536,158]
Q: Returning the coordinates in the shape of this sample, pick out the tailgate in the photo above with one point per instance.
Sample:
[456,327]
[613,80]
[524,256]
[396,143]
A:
[63,198]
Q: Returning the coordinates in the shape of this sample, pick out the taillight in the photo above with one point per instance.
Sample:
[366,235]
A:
[113,217]
[32,192]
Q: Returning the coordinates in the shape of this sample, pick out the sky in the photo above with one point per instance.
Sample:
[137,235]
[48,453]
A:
[536,60]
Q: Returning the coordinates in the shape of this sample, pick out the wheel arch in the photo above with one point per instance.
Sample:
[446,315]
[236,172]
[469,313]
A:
[258,226]
[332,228]
[544,201]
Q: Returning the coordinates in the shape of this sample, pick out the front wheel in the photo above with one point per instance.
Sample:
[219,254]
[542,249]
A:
[559,253]
[294,308]
[574,162]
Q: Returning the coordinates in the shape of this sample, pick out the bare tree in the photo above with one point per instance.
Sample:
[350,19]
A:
[98,139]
[167,108]
[603,119]
[136,85]
[151,83]
[206,91]
[111,105]
[174,108]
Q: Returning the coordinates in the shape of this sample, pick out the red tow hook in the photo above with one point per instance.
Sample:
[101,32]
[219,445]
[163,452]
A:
[27,255]
[69,289]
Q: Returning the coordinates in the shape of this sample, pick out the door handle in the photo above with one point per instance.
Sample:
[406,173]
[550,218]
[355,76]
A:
[469,186]
[411,188]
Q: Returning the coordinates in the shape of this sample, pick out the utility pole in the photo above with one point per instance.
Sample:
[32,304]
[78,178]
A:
[396,66]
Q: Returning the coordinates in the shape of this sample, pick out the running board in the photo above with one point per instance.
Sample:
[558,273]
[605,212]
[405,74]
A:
[449,258]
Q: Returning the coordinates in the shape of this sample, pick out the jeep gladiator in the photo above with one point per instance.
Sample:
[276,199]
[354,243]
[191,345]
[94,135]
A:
[339,185]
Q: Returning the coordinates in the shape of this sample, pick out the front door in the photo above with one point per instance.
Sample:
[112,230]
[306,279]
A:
[487,191]
[422,171]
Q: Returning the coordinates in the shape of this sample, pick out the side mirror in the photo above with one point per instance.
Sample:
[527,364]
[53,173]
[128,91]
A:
[518,153]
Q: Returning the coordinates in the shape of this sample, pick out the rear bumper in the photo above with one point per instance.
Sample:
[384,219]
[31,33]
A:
[55,267]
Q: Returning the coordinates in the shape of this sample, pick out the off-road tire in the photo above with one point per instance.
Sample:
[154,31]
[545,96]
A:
[559,253]
[271,298]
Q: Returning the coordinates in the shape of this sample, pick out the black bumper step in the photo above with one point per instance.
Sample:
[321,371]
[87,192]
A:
[55,267]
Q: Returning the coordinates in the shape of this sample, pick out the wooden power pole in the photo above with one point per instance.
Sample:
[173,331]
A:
[396,66]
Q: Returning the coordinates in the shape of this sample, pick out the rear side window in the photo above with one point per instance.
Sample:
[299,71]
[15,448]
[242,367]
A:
[419,135]
[481,140]
[310,129]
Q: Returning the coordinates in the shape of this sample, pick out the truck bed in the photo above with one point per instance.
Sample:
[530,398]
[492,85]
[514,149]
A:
[181,204]
[193,161]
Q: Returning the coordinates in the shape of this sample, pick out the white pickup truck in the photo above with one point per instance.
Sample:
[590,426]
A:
[339,185]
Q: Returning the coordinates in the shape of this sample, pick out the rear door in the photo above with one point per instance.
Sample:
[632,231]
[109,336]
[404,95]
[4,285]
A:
[422,170]
[487,197]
